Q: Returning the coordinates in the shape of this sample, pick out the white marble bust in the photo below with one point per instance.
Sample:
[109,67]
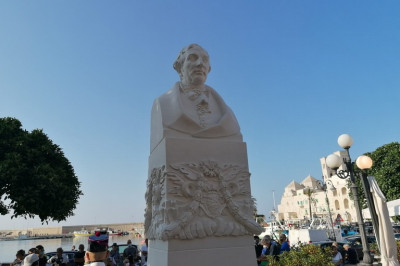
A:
[191,109]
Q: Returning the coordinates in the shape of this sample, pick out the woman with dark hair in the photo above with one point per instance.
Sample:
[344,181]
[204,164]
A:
[19,258]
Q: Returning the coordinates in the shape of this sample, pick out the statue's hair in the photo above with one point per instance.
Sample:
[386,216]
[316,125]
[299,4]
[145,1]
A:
[179,60]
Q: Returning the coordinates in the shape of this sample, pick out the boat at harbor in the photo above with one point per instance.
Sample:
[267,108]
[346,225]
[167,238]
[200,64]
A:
[25,237]
[83,232]
[109,232]
[273,227]
[319,229]
[114,233]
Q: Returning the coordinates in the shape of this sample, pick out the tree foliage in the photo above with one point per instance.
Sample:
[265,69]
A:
[385,169]
[36,179]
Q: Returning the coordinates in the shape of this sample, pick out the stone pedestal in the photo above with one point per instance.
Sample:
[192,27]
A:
[199,206]
[212,251]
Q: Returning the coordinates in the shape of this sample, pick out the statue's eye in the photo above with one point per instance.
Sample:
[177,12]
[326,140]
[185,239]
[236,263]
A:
[192,57]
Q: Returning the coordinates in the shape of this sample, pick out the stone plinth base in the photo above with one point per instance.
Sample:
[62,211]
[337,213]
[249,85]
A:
[221,251]
[199,206]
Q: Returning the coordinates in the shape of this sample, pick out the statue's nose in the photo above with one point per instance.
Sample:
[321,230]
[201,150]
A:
[200,62]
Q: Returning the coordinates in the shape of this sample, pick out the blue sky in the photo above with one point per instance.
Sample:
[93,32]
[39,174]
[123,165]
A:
[297,74]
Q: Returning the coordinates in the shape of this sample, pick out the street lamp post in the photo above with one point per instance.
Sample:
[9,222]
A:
[364,163]
[333,161]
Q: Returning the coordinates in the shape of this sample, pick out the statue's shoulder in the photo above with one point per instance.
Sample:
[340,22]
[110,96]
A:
[215,94]
[169,97]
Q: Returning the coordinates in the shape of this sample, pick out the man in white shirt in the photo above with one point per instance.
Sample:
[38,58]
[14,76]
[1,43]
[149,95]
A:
[60,258]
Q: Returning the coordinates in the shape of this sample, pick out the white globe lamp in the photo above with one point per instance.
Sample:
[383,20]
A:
[345,141]
[364,162]
[333,161]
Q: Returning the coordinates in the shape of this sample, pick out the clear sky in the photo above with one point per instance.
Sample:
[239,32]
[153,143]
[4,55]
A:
[296,73]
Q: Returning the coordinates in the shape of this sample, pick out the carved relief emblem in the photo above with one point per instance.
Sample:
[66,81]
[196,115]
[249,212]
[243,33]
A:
[191,200]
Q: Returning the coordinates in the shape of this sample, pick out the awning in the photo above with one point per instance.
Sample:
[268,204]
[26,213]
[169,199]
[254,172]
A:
[393,208]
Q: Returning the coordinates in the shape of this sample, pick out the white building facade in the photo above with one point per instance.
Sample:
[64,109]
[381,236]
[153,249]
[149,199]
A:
[299,198]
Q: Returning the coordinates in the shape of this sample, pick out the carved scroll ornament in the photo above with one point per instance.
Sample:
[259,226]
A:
[189,200]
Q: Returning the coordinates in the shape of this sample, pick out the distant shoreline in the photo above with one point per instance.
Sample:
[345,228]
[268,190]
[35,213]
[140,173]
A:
[49,231]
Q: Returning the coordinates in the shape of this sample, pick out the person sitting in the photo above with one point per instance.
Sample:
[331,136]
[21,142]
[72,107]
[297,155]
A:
[97,251]
[31,260]
[41,255]
[32,251]
[114,255]
[80,255]
[284,243]
[130,253]
[19,258]
[143,252]
[337,258]
[270,248]
[258,248]
[340,249]
[351,256]
[60,258]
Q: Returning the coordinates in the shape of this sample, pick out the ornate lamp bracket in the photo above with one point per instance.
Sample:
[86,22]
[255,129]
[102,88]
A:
[343,174]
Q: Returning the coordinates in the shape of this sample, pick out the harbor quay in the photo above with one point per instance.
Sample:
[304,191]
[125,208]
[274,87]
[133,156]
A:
[60,231]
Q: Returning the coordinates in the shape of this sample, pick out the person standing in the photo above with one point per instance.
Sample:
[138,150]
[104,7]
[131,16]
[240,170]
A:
[80,255]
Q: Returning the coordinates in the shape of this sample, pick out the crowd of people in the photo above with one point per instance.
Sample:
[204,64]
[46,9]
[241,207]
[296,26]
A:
[345,254]
[97,254]
[269,247]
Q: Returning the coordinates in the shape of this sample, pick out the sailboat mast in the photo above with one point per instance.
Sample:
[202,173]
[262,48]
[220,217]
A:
[273,197]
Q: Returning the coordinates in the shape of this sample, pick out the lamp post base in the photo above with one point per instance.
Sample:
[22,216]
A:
[367,260]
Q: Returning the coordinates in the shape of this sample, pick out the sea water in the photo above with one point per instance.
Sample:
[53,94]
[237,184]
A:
[9,248]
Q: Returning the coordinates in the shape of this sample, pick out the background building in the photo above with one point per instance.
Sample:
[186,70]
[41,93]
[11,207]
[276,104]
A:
[299,198]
